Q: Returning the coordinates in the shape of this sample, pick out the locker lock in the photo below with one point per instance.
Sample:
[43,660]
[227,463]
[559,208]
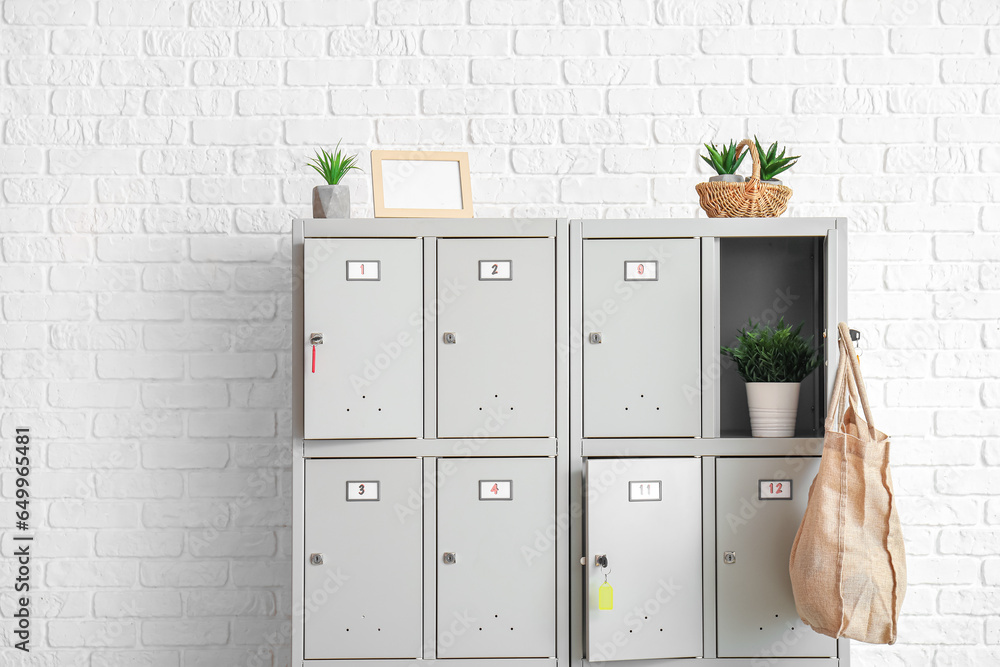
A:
[316,559]
[595,338]
[315,339]
[601,560]
[449,338]
[449,557]
[729,557]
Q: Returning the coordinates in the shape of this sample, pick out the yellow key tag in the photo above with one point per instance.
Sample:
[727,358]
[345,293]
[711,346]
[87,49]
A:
[605,597]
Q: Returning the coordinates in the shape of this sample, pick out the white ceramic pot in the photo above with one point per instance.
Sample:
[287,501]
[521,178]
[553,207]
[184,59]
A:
[331,201]
[773,406]
[727,178]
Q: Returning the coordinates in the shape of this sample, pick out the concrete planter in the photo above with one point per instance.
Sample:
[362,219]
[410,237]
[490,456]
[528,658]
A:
[727,178]
[773,406]
[331,201]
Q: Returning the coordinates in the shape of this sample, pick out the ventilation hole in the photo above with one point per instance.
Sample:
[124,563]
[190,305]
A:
[480,629]
[762,628]
[380,409]
[626,409]
[512,408]
[657,408]
[642,396]
[496,396]
[380,629]
[776,616]
[495,616]
[348,629]
[646,617]
[364,397]
[348,409]
[630,632]
[661,629]
[480,409]
[512,629]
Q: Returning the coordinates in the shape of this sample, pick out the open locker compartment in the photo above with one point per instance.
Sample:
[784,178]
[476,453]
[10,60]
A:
[765,278]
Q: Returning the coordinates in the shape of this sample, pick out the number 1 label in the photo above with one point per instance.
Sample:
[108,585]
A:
[364,269]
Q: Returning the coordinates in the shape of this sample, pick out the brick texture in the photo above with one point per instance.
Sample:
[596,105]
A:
[152,158]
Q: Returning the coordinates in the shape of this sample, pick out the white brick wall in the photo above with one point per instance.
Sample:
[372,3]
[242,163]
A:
[152,158]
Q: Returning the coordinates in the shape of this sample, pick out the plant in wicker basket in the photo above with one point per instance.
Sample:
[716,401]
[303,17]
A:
[750,199]
[771,162]
[725,161]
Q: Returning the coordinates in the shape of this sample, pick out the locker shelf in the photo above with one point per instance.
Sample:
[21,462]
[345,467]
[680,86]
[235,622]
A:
[763,279]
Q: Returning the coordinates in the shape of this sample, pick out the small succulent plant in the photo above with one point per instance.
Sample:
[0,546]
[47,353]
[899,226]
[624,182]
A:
[723,160]
[333,167]
[773,163]
[779,354]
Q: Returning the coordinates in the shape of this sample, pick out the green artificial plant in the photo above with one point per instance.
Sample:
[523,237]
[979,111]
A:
[781,354]
[771,162]
[723,160]
[333,167]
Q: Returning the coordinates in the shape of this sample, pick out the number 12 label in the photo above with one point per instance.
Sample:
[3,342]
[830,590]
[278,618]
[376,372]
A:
[775,489]
[496,269]
[362,491]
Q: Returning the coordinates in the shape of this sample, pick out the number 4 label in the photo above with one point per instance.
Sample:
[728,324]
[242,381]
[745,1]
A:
[496,489]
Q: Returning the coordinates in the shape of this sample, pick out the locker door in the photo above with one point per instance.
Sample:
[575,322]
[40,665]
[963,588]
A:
[496,377]
[760,503]
[365,296]
[642,338]
[364,599]
[645,516]
[496,596]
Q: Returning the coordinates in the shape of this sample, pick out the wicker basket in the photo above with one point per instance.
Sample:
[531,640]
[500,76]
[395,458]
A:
[750,199]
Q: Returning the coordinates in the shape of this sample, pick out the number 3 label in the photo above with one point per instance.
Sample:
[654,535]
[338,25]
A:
[358,491]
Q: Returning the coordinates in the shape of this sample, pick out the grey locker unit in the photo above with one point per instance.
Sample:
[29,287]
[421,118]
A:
[496,337]
[496,594]
[642,337]
[734,269]
[644,516]
[756,609]
[363,583]
[365,297]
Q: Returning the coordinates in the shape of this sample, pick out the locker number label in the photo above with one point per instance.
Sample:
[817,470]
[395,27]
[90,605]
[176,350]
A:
[644,491]
[496,269]
[362,491]
[496,489]
[364,269]
[641,270]
[775,489]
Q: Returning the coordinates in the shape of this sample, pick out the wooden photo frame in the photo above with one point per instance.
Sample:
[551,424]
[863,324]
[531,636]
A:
[421,184]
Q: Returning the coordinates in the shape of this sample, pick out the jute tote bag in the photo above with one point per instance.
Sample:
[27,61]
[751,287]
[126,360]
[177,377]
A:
[848,564]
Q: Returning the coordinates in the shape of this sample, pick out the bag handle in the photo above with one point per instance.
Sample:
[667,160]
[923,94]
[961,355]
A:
[849,359]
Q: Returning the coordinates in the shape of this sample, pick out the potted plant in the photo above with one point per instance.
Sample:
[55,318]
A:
[772,163]
[332,200]
[773,362]
[724,161]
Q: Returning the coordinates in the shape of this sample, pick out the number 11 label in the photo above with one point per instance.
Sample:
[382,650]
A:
[646,490]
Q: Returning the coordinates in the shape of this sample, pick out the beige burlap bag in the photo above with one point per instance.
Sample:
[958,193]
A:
[848,564]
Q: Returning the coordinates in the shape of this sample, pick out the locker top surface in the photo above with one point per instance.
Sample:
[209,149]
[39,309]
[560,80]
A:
[420,227]
[589,228]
